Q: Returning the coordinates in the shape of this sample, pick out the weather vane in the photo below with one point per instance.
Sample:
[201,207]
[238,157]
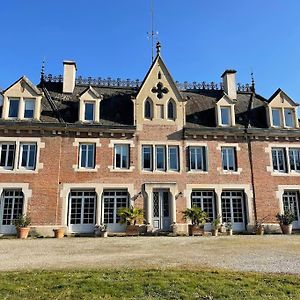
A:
[152,35]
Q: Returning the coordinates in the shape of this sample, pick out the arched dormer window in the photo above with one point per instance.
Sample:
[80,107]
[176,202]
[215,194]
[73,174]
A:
[148,109]
[171,110]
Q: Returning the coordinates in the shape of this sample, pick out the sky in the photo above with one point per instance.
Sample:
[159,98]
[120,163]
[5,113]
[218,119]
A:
[200,39]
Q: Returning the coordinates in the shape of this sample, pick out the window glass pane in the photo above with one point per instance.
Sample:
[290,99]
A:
[171,113]
[87,156]
[29,108]
[122,156]
[160,157]
[278,158]
[7,155]
[148,109]
[228,159]
[147,157]
[28,154]
[125,156]
[294,156]
[225,116]
[276,117]
[13,108]
[173,158]
[89,112]
[289,117]
[198,158]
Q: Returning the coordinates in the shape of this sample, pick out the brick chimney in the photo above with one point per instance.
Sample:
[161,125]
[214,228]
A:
[229,84]
[69,76]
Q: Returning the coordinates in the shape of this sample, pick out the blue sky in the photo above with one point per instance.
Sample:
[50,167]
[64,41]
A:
[200,39]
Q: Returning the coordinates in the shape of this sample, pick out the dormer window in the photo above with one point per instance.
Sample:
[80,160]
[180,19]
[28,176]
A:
[225,116]
[289,118]
[89,110]
[276,117]
[29,105]
[13,108]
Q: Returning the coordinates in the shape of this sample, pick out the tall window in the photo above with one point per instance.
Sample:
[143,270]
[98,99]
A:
[89,111]
[160,155]
[171,110]
[173,158]
[147,158]
[28,156]
[289,118]
[148,109]
[229,159]
[276,117]
[197,157]
[206,201]
[29,108]
[121,156]
[290,201]
[279,160]
[87,156]
[13,108]
[7,155]
[294,155]
[225,116]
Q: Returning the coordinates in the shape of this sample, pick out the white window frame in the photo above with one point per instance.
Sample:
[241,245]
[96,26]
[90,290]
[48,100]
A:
[27,100]
[94,108]
[6,167]
[228,109]
[9,103]
[285,167]
[87,156]
[292,156]
[151,157]
[203,151]
[234,152]
[27,167]
[169,158]
[285,110]
[122,147]
[280,117]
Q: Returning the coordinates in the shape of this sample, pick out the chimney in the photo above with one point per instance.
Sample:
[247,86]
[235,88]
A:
[69,76]
[229,84]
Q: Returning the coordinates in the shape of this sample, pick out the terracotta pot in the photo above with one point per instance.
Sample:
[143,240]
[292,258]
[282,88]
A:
[22,232]
[104,234]
[196,229]
[59,233]
[260,230]
[132,229]
[229,231]
[286,229]
[214,232]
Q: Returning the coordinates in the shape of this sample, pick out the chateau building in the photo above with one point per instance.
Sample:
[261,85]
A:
[73,151]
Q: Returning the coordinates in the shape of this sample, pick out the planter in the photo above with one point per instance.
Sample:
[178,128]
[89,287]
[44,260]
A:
[260,230]
[196,229]
[132,229]
[229,231]
[22,232]
[214,232]
[286,229]
[59,233]
[104,234]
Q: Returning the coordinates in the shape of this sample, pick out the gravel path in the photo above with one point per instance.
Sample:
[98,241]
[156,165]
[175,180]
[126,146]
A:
[273,253]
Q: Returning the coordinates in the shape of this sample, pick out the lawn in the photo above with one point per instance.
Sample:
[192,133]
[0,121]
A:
[147,284]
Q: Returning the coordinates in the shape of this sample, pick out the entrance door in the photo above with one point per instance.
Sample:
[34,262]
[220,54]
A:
[161,210]
[82,207]
[233,209]
[113,200]
[11,206]
[291,203]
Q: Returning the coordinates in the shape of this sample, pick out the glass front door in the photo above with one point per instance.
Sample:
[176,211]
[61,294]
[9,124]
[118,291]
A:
[291,203]
[161,210]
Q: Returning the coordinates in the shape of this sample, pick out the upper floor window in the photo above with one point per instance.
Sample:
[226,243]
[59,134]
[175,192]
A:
[294,156]
[148,109]
[173,158]
[121,160]
[147,158]
[29,105]
[87,156]
[225,116]
[289,117]
[28,155]
[171,110]
[7,155]
[89,111]
[276,117]
[229,159]
[13,111]
[160,155]
[197,157]
[279,160]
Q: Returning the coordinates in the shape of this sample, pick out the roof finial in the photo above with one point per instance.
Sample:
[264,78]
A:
[152,34]
[252,82]
[158,46]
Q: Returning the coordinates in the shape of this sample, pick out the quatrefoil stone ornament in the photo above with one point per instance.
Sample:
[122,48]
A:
[160,90]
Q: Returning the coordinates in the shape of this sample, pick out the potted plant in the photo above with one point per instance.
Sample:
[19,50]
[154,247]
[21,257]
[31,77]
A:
[286,221]
[259,228]
[216,224]
[131,216]
[22,223]
[198,218]
[59,233]
[228,226]
[101,230]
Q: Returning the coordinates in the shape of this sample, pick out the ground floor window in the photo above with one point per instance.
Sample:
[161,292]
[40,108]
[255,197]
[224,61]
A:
[11,206]
[206,201]
[113,201]
[233,206]
[290,201]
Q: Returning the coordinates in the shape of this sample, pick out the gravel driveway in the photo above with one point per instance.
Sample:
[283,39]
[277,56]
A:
[270,253]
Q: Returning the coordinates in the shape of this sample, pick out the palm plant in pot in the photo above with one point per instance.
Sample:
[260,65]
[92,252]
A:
[216,224]
[22,223]
[198,218]
[286,221]
[131,216]
[101,230]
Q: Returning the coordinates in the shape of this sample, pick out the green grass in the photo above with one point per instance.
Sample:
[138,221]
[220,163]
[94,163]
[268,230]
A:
[147,284]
